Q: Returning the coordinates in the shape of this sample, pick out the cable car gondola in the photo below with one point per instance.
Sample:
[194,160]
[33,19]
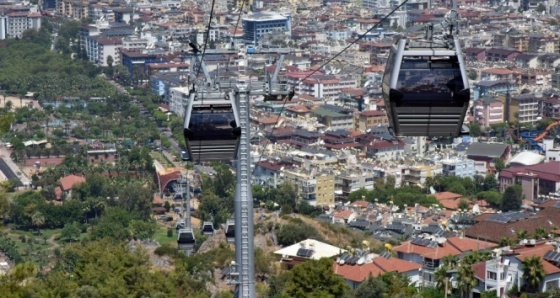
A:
[425,87]
[210,127]
[208,228]
[230,230]
[185,239]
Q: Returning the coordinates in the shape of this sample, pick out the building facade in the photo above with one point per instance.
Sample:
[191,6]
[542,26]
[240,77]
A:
[259,24]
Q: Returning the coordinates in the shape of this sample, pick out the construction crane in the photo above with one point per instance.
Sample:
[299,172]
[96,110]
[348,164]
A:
[230,99]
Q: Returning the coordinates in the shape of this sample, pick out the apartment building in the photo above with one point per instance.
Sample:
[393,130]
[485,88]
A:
[178,99]
[353,180]
[458,167]
[14,22]
[488,110]
[75,9]
[525,108]
[100,48]
[540,179]
[417,174]
[326,86]
[370,119]
[316,188]
[258,24]
[334,117]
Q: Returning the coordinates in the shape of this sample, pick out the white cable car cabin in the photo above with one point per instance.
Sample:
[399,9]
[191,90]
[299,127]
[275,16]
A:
[230,230]
[426,89]
[210,127]
[185,239]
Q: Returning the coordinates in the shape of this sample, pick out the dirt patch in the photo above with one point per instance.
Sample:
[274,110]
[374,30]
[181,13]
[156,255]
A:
[16,103]
[45,161]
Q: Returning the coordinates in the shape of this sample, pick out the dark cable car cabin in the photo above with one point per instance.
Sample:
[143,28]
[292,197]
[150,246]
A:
[210,128]
[426,90]
[208,228]
[230,230]
[185,239]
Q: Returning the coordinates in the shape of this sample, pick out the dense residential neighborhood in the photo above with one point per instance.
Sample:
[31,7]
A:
[99,195]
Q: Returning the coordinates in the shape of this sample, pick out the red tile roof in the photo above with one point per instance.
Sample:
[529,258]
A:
[538,250]
[377,267]
[467,244]
[479,270]
[435,253]
[69,181]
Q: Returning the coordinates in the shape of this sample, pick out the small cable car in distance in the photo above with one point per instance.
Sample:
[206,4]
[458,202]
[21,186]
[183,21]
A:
[210,127]
[425,86]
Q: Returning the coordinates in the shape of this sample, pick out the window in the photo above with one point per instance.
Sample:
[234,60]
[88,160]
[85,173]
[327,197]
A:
[553,284]
[491,275]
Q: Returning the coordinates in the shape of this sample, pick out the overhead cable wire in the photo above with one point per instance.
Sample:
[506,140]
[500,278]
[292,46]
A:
[360,37]
[206,37]
[235,30]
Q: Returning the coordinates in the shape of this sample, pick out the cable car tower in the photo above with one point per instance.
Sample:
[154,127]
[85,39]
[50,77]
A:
[425,85]
[217,127]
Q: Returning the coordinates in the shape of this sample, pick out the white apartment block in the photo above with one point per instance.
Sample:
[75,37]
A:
[14,23]
[179,97]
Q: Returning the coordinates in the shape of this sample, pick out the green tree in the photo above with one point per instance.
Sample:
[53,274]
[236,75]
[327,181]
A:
[474,129]
[70,232]
[512,199]
[540,233]
[490,182]
[371,288]
[463,204]
[292,233]
[315,278]
[110,61]
[466,280]
[533,273]
[499,164]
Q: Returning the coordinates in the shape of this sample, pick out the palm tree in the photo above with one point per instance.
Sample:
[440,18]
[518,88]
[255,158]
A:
[505,241]
[440,277]
[533,273]
[450,261]
[522,234]
[466,280]
[540,233]
[37,219]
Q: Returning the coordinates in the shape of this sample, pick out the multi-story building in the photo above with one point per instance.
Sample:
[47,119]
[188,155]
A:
[108,47]
[326,86]
[525,108]
[15,22]
[551,107]
[258,24]
[417,174]
[458,167]
[162,82]
[316,188]
[350,181]
[488,110]
[178,99]
[370,119]
[334,117]
[75,9]
[540,179]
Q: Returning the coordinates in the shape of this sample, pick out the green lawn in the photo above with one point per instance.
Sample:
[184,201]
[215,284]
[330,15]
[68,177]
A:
[161,236]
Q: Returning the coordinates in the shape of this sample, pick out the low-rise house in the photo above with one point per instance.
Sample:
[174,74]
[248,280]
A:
[487,152]
[495,227]
[309,249]
[431,250]
[64,191]
[448,200]
[506,270]
[355,273]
